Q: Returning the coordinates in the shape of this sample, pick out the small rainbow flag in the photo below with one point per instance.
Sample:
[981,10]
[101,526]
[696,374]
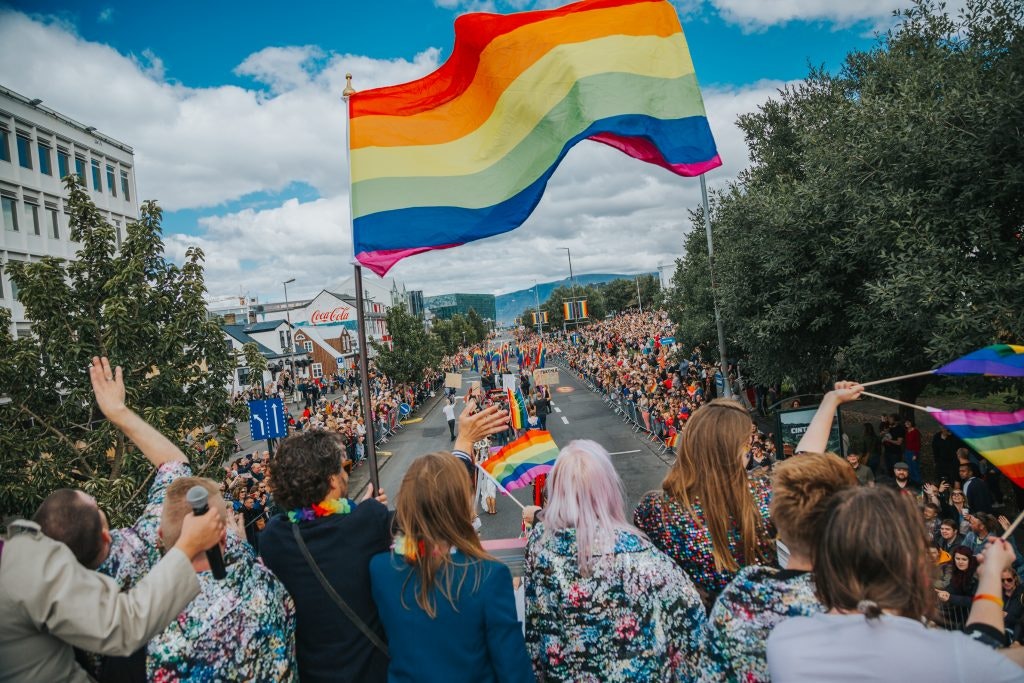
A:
[466,152]
[999,437]
[998,360]
[542,355]
[523,460]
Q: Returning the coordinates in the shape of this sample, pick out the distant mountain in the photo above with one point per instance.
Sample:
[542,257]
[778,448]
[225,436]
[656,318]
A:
[510,305]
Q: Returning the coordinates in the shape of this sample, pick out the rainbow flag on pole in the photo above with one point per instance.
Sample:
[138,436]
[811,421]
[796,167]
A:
[466,152]
[998,360]
[999,437]
[523,460]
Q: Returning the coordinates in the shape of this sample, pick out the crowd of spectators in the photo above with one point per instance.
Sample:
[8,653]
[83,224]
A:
[788,571]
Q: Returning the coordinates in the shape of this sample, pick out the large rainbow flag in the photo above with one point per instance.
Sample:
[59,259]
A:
[466,152]
[523,460]
[999,437]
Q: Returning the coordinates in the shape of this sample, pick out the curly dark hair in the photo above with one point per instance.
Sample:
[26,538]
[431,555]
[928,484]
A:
[301,470]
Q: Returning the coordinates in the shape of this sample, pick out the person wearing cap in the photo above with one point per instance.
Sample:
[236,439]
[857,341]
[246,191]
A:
[902,483]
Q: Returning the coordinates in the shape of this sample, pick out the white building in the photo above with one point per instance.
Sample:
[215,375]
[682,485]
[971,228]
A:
[38,147]
[332,309]
[273,338]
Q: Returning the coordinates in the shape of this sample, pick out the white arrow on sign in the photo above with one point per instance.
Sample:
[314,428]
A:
[273,410]
[259,419]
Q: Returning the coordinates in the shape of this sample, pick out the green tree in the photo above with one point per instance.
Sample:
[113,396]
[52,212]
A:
[414,349]
[257,364]
[148,315]
[621,294]
[454,333]
[878,228]
[477,324]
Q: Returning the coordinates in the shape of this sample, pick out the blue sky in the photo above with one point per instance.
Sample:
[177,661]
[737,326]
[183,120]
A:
[233,112]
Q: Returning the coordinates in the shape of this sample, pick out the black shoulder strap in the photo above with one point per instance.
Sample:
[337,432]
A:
[349,612]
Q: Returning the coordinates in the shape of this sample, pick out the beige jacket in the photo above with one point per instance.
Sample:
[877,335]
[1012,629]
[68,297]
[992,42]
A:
[49,603]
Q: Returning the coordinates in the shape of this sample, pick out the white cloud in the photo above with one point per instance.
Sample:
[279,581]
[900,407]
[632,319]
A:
[105,16]
[615,213]
[200,147]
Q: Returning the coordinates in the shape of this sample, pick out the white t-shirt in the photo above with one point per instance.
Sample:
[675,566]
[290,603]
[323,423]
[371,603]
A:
[849,647]
[449,411]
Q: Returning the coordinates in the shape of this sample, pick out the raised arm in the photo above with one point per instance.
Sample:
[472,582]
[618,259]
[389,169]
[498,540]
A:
[815,439]
[108,386]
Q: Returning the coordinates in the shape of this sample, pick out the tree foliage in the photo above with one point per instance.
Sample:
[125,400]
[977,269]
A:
[878,228]
[455,333]
[148,315]
[413,351]
[620,295]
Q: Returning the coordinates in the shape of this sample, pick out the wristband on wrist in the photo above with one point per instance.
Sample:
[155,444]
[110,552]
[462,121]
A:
[987,596]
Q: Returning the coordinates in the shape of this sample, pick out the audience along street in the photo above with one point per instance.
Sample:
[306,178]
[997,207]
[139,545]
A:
[484,342]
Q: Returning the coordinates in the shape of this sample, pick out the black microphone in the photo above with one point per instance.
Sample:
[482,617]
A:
[198,498]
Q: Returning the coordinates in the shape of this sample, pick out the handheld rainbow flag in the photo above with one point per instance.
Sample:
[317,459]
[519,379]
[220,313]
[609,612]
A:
[542,355]
[466,152]
[521,461]
[999,437]
[998,360]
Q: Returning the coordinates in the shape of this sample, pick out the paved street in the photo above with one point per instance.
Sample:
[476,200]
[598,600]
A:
[579,414]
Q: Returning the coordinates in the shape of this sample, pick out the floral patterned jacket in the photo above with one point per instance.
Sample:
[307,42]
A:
[638,617]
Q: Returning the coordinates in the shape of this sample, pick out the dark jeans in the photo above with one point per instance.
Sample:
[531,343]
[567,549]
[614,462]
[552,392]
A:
[451,427]
[542,420]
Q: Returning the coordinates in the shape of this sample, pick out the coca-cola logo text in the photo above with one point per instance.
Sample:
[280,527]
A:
[335,315]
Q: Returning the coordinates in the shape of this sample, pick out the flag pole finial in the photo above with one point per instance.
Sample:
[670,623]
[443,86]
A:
[349,90]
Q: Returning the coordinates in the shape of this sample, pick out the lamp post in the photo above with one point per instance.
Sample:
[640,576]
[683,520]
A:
[540,316]
[291,345]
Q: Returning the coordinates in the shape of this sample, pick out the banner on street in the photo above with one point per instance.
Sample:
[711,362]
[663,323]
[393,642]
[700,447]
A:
[545,376]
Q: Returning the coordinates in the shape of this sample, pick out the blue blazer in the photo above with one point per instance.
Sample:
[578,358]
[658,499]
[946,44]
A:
[478,641]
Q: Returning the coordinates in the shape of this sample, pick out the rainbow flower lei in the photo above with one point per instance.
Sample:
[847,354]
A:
[324,508]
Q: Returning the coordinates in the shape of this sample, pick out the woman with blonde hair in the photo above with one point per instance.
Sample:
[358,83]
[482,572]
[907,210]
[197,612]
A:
[447,606]
[602,602]
[710,517]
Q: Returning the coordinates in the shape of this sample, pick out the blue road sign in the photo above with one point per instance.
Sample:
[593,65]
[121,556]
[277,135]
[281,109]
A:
[404,409]
[340,360]
[266,419]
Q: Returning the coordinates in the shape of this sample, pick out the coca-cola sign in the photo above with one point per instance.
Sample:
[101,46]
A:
[335,315]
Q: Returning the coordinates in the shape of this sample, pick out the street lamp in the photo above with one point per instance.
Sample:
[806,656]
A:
[291,345]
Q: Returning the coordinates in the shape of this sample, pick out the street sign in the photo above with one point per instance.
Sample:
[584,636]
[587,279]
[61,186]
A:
[404,409]
[266,419]
[340,360]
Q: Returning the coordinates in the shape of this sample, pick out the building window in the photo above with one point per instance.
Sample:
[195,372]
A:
[117,229]
[318,370]
[54,225]
[111,185]
[33,216]
[5,145]
[62,163]
[308,346]
[10,213]
[80,169]
[96,183]
[45,160]
[24,150]
[124,186]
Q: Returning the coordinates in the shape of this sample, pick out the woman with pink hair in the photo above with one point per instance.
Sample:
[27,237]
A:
[602,602]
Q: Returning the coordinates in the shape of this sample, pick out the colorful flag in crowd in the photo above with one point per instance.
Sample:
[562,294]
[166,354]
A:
[521,461]
[542,355]
[998,360]
[999,437]
[466,152]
